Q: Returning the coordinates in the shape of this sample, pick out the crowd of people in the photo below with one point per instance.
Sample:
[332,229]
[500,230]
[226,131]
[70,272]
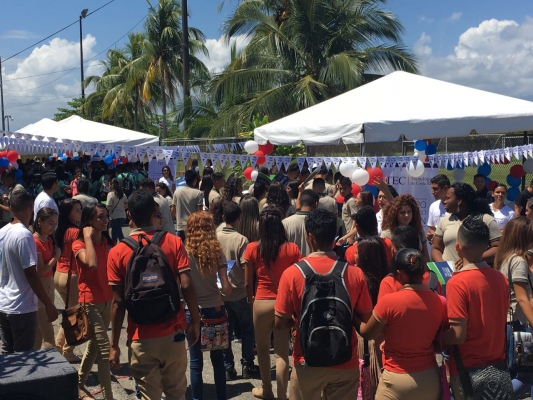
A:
[289,263]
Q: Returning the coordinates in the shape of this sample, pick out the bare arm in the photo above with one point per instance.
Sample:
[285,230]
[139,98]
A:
[383,187]
[489,255]
[457,332]
[520,290]
[437,249]
[283,323]
[189,295]
[517,209]
[226,286]
[118,312]
[249,273]
[42,267]
[369,330]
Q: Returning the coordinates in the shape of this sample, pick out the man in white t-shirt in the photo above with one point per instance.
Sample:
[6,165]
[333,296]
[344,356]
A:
[186,201]
[20,285]
[46,197]
[439,186]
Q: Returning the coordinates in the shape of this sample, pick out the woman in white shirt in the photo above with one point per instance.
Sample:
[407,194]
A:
[168,179]
[117,204]
[502,213]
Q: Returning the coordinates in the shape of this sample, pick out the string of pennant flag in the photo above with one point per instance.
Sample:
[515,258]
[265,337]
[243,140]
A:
[24,145]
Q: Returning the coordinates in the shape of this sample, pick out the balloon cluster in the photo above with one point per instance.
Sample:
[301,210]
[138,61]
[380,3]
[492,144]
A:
[260,151]
[514,179]
[422,150]
[361,177]
[8,160]
[111,159]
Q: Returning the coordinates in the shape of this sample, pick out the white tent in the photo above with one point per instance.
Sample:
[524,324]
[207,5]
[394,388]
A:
[77,128]
[400,104]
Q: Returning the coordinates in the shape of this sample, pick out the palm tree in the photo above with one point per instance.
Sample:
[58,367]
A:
[302,52]
[163,48]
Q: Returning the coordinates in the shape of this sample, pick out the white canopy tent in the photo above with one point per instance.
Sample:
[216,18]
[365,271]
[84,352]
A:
[77,128]
[400,104]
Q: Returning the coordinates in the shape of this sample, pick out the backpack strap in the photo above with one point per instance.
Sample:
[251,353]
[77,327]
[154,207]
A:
[133,244]
[306,269]
[158,236]
[433,281]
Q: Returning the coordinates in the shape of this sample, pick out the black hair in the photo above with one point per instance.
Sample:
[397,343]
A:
[147,183]
[217,176]
[346,181]
[319,184]
[233,188]
[83,186]
[206,186]
[259,190]
[322,170]
[411,262]
[473,232]
[322,225]
[141,206]
[365,219]
[232,211]
[373,263]
[9,174]
[337,176]
[479,176]
[87,215]
[191,176]
[194,163]
[207,171]
[169,172]
[405,237]
[163,186]
[117,189]
[293,186]
[20,200]
[63,222]
[309,198]
[278,197]
[48,180]
[271,234]
[43,214]
[217,211]
[466,193]
[263,170]
[293,168]
[441,180]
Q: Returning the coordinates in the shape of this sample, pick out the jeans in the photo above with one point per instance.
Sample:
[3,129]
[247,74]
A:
[241,312]
[116,228]
[522,381]
[196,360]
[18,331]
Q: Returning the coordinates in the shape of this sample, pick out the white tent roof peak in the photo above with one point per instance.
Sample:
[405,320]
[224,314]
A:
[400,104]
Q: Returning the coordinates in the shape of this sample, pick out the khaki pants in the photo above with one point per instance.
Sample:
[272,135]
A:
[263,327]
[45,330]
[99,315]
[419,385]
[457,388]
[317,383]
[158,366]
[60,281]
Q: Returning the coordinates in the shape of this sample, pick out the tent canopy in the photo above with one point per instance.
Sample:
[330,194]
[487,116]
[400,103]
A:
[77,128]
[400,104]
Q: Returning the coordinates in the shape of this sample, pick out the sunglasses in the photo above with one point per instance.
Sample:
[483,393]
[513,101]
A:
[159,215]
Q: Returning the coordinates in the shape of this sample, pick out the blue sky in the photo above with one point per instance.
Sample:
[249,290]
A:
[467,42]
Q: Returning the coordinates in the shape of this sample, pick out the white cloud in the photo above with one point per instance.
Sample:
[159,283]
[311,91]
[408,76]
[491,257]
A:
[220,52]
[49,91]
[494,56]
[423,18]
[456,16]
[18,34]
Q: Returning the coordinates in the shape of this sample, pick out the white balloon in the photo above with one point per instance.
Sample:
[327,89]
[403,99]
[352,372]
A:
[251,147]
[254,175]
[14,165]
[422,155]
[417,171]
[528,166]
[347,169]
[360,177]
[458,174]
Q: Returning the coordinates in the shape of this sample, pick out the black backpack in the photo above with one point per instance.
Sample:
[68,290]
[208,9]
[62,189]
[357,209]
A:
[326,322]
[151,291]
[127,184]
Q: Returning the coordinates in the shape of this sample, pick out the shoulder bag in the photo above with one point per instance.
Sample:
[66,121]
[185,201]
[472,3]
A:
[75,323]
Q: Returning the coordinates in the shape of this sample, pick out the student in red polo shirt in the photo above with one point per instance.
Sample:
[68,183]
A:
[90,252]
[315,383]
[158,356]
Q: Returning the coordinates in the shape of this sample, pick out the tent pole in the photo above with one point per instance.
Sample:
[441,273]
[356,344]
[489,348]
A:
[524,159]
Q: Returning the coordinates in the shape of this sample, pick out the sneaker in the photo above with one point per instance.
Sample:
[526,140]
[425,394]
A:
[231,374]
[84,394]
[250,372]
[261,393]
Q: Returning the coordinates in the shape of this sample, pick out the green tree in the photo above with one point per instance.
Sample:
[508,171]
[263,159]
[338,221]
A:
[75,109]
[302,52]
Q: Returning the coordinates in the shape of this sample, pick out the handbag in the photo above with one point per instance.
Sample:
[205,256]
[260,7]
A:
[519,343]
[75,323]
[445,386]
[214,334]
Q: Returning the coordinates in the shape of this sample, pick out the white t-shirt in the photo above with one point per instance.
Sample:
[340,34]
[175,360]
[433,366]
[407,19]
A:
[17,252]
[379,217]
[43,200]
[436,212]
[503,215]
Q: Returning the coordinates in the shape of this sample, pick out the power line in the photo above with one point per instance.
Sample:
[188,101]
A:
[38,102]
[55,33]
[33,76]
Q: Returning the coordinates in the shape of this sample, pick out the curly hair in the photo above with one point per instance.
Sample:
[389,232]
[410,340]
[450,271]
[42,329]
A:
[202,243]
[476,205]
[390,214]
[278,197]
[233,188]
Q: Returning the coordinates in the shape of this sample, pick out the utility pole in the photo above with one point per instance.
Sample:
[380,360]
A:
[2,96]
[82,15]
[186,64]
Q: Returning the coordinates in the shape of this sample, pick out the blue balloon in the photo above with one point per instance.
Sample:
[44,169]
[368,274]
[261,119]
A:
[513,182]
[512,193]
[420,145]
[18,173]
[63,158]
[108,159]
[372,189]
[60,154]
[431,149]
[4,162]
[51,158]
[96,154]
[114,156]
[484,169]
[76,158]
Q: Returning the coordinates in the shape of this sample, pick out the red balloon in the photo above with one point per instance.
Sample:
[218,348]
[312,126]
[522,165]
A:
[266,148]
[492,185]
[125,160]
[12,156]
[115,161]
[260,157]
[373,174]
[248,173]
[356,189]
[340,199]
[3,154]
[517,171]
